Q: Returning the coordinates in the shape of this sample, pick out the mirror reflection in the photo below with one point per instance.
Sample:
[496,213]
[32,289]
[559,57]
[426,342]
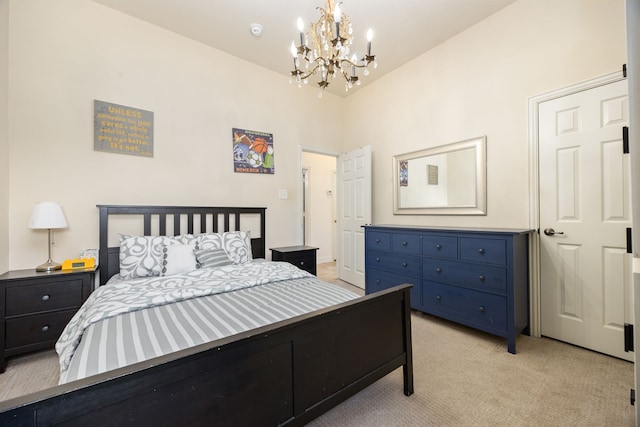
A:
[445,180]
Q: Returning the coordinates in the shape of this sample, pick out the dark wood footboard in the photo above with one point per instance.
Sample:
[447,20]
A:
[286,373]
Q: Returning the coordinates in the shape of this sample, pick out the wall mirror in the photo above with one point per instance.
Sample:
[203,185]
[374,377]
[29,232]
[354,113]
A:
[446,180]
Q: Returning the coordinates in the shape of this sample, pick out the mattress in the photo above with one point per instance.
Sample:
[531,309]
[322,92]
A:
[236,306]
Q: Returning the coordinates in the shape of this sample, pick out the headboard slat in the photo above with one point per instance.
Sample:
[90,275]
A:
[109,256]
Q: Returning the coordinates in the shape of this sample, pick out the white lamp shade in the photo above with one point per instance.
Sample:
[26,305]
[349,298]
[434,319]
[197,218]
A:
[47,215]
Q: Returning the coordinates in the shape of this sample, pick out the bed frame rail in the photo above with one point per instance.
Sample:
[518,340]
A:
[287,373]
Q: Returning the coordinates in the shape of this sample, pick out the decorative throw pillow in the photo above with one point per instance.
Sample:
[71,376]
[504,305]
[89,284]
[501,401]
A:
[237,244]
[209,258]
[140,256]
[178,259]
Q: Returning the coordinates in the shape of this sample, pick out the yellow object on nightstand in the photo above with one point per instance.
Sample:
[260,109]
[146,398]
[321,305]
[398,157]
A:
[78,263]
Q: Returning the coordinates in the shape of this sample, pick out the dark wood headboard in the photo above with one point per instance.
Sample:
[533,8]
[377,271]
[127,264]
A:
[209,219]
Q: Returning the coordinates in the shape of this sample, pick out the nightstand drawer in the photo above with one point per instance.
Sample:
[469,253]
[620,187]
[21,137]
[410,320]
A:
[40,297]
[39,328]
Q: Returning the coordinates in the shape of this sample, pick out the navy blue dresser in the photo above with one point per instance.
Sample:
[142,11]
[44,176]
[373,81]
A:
[476,277]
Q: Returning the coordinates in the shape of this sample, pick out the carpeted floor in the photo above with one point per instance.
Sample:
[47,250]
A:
[462,377]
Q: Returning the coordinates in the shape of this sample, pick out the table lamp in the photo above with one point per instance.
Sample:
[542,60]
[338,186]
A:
[47,215]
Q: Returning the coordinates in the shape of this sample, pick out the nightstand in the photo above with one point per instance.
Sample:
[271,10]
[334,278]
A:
[35,307]
[303,257]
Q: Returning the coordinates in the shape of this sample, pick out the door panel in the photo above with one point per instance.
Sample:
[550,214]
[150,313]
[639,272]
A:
[585,198]
[354,211]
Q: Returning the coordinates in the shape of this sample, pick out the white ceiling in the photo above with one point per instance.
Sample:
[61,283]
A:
[403,29]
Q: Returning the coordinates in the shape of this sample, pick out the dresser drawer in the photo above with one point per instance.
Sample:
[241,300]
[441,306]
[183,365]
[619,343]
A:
[440,246]
[44,296]
[378,240]
[35,329]
[377,280]
[486,278]
[394,262]
[492,251]
[406,243]
[466,306]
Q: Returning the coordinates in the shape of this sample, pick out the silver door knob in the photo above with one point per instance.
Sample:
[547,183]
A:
[551,232]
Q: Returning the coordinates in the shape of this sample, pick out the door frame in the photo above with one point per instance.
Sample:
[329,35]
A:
[534,187]
[314,150]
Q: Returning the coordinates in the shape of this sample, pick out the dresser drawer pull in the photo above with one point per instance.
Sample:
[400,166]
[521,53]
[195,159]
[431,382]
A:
[377,240]
[438,297]
[301,262]
[404,264]
[404,243]
[438,246]
[45,328]
[438,269]
[481,277]
[377,281]
[481,309]
[377,259]
[481,251]
[45,297]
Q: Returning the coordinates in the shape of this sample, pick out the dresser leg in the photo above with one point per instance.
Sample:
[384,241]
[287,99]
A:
[3,365]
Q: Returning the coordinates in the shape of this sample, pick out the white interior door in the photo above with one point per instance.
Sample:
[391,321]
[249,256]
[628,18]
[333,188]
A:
[585,199]
[353,211]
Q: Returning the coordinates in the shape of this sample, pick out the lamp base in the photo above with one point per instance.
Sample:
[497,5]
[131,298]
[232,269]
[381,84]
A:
[49,266]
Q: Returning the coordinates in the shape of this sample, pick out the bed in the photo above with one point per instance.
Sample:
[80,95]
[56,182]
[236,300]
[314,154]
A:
[285,371]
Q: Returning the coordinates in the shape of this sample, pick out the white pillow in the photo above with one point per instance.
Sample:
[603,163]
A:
[178,259]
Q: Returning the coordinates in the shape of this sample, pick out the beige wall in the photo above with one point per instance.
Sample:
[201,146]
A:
[478,83]
[65,54]
[4,144]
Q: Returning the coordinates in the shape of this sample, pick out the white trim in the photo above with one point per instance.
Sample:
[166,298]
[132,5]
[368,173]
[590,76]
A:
[307,149]
[534,189]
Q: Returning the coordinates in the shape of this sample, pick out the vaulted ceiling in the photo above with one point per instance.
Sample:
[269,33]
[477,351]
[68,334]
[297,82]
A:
[403,29]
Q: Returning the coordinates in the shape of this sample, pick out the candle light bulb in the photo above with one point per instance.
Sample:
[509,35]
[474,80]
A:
[336,13]
[369,34]
[294,51]
[301,24]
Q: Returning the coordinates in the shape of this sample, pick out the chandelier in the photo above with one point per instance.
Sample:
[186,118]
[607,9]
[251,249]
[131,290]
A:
[326,50]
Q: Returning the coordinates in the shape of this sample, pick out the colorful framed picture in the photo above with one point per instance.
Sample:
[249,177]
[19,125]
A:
[252,151]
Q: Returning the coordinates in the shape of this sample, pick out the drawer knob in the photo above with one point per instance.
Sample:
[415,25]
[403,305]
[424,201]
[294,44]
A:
[481,251]
[438,269]
[404,243]
[45,328]
[377,259]
[438,246]
[481,309]
[481,277]
[404,264]
[438,297]
[301,262]
[377,240]
[378,282]
[45,297]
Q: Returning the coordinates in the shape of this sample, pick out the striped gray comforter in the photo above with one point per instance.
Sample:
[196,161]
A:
[171,313]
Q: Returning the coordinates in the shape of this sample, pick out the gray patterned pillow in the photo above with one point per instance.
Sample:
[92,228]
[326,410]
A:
[140,256]
[209,258]
[237,244]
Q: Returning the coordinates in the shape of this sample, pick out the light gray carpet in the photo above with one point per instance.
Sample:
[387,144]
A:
[462,378]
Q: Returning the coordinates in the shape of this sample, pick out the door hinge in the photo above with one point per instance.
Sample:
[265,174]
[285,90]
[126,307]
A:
[628,337]
[629,240]
[625,139]
[624,70]
[632,397]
